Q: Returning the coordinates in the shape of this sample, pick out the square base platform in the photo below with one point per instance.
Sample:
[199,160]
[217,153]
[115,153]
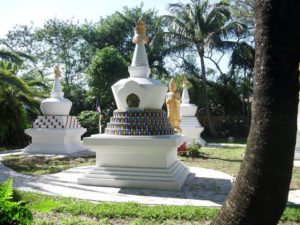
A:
[136,161]
[55,141]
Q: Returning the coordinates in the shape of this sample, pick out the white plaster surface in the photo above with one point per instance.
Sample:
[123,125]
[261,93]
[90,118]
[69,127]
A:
[192,130]
[189,124]
[150,92]
[187,109]
[55,141]
[56,106]
[136,161]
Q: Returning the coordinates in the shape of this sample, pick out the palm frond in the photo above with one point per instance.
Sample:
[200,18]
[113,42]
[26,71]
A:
[242,56]
[10,56]
[7,78]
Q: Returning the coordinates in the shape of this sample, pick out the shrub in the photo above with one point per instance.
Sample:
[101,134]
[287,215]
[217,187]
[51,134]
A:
[11,212]
[90,121]
[193,150]
[189,151]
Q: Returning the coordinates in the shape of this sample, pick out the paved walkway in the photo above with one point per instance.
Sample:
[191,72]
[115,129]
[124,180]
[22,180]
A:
[204,187]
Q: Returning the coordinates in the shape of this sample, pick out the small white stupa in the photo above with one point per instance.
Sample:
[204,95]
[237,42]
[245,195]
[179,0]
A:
[138,148]
[56,132]
[190,125]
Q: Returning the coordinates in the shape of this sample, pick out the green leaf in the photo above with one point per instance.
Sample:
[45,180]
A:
[6,190]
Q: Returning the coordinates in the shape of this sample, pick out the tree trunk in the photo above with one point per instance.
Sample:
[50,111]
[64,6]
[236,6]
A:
[211,125]
[260,192]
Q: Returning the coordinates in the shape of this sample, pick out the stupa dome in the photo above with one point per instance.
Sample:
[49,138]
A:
[56,105]
[150,93]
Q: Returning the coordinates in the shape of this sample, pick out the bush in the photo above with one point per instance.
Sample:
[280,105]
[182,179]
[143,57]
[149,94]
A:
[90,121]
[193,150]
[189,151]
[11,212]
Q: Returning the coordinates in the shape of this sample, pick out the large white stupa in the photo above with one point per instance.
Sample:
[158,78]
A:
[56,132]
[138,148]
[190,125]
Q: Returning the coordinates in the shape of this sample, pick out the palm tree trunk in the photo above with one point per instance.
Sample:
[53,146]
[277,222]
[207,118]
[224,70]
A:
[260,192]
[211,125]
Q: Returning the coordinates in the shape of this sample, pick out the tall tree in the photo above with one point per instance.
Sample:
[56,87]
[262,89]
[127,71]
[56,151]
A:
[15,95]
[260,192]
[117,30]
[202,27]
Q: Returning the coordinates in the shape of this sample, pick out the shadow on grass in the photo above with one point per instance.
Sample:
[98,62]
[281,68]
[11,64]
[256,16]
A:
[227,160]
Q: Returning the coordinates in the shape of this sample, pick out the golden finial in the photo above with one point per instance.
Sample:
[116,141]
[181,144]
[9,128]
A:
[140,33]
[57,72]
[185,83]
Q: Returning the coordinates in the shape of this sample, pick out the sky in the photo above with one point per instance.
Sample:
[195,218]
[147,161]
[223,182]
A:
[23,12]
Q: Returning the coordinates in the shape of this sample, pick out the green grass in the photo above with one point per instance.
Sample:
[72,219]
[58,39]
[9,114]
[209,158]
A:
[59,210]
[227,159]
[225,140]
[39,165]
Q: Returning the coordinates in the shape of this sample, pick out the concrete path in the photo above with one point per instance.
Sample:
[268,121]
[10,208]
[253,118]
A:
[204,187]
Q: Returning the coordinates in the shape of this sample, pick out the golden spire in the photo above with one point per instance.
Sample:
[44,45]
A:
[57,72]
[140,36]
[185,83]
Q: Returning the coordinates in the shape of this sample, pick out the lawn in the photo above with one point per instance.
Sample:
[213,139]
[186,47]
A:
[58,210]
[39,165]
[226,159]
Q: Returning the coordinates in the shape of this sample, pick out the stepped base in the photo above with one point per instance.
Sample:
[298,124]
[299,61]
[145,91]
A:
[136,162]
[192,130]
[55,141]
[138,177]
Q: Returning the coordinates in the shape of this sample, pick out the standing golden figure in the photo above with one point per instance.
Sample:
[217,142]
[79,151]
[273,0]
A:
[173,104]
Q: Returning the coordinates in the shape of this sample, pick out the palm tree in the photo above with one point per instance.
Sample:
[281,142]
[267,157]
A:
[201,27]
[242,62]
[260,192]
[15,97]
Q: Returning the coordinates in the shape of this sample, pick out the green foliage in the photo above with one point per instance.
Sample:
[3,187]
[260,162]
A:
[11,212]
[39,165]
[193,150]
[142,214]
[90,121]
[291,213]
[16,98]
[106,68]
[117,30]
[13,118]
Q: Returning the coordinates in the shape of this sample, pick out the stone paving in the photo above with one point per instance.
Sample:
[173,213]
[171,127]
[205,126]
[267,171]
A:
[204,187]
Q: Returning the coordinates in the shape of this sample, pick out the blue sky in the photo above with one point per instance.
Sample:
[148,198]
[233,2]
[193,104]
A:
[22,12]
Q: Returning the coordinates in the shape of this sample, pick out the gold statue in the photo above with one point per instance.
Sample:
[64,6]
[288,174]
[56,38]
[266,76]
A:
[57,72]
[173,105]
[140,36]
